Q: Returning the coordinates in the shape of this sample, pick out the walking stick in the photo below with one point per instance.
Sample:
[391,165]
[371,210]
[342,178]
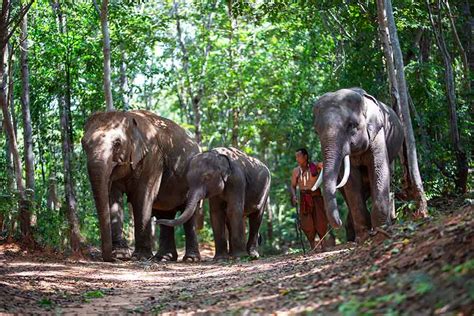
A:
[299,234]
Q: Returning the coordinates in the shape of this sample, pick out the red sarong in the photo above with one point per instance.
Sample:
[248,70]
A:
[312,215]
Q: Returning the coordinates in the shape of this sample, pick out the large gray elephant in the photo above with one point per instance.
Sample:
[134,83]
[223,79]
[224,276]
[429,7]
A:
[366,135]
[237,186]
[144,156]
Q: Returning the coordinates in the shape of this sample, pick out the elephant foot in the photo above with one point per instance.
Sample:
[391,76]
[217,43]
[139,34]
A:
[260,239]
[361,237]
[253,253]
[379,235]
[141,255]
[238,254]
[166,257]
[328,243]
[221,257]
[192,257]
[123,254]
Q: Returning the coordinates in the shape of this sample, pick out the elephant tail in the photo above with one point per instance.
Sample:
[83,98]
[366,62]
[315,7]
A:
[188,213]
[264,201]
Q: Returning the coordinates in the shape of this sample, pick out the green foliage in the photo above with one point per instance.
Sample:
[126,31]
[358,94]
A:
[371,306]
[45,303]
[94,294]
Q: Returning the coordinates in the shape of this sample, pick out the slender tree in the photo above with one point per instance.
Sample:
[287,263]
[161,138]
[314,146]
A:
[399,92]
[104,24]
[11,85]
[8,25]
[194,89]
[25,102]
[191,93]
[462,51]
[461,159]
[124,78]
[64,101]
[232,65]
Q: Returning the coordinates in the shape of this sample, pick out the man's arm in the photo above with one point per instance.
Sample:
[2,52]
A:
[294,180]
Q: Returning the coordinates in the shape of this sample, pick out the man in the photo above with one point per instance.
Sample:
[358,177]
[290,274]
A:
[312,213]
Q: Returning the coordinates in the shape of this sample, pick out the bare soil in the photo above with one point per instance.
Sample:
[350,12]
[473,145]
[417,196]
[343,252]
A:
[424,268]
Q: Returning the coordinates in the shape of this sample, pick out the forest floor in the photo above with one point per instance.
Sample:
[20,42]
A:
[425,267]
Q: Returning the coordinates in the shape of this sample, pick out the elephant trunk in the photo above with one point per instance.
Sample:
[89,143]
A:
[191,207]
[332,164]
[99,174]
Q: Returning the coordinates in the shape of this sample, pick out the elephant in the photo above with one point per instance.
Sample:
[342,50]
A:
[144,156]
[365,134]
[237,186]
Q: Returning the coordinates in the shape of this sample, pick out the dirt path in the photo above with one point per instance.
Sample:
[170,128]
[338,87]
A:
[424,268]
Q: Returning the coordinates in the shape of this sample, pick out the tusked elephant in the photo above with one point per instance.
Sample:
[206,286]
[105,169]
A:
[144,156]
[237,186]
[365,134]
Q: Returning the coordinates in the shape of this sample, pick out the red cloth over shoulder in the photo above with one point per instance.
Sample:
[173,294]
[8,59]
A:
[315,168]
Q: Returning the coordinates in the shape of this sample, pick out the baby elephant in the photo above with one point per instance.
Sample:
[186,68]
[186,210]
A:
[237,186]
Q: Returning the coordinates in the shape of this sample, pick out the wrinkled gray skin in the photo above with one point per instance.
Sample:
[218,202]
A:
[237,186]
[351,122]
[144,156]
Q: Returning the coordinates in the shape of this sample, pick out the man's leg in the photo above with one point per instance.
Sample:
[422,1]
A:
[322,223]
[306,220]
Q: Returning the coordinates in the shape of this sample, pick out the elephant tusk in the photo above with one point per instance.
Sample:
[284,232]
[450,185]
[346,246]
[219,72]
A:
[347,171]
[318,182]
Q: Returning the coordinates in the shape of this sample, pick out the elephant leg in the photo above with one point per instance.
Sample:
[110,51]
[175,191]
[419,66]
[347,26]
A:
[142,201]
[116,217]
[379,177]
[167,246]
[356,202]
[192,246]
[350,232]
[235,215]
[143,243]
[119,244]
[255,220]
[218,223]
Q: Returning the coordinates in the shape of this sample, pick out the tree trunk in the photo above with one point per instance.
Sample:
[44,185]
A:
[64,101]
[235,106]
[461,159]
[25,102]
[11,87]
[106,50]
[75,237]
[399,91]
[269,222]
[235,127]
[10,184]
[461,49]
[388,53]
[53,203]
[5,33]
[468,29]
[124,80]
[8,77]
[194,95]
[25,214]
[195,98]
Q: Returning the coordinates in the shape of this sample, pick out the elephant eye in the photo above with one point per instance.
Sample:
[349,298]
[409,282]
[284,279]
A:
[117,143]
[352,126]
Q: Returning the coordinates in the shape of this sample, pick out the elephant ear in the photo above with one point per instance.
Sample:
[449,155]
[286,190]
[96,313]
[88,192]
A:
[374,116]
[139,148]
[225,167]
